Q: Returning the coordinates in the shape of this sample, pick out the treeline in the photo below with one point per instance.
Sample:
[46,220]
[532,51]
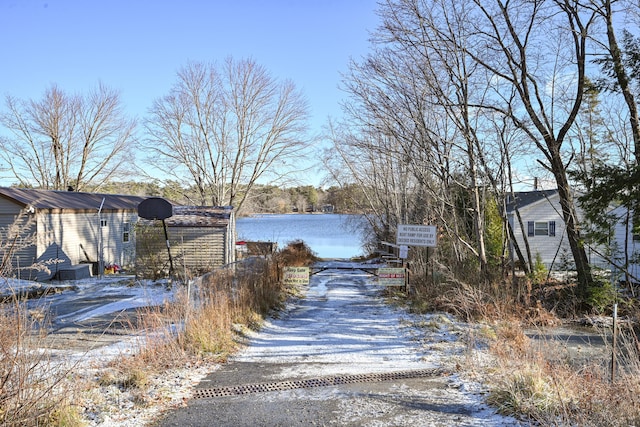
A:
[262,198]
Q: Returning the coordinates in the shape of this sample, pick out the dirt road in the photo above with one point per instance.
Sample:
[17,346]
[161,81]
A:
[341,356]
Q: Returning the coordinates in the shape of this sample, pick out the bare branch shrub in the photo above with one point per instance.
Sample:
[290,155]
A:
[33,386]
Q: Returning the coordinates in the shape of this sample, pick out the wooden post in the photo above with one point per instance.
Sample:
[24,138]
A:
[426,268]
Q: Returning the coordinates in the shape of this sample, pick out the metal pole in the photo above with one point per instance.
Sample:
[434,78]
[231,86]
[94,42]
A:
[100,243]
[615,342]
[166,237]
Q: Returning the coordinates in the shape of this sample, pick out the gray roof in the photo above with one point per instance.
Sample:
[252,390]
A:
[525,198]
[200,216]
[70,200]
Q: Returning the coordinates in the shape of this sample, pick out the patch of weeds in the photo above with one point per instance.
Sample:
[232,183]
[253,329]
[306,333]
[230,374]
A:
[486,332]
[66,415]
[132,377]
[526,393]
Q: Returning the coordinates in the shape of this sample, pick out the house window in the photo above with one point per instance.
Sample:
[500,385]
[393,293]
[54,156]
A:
[126,232]
[636,237]
[541,228]
[103,223]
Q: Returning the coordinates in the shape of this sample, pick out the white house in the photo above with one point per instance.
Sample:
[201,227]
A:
[543,228]
[55,230]
[625,246]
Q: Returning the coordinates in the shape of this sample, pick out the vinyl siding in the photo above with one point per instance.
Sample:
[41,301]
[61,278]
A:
[17,242]
[79,235]
[554,251]
[20,248]
[623,233]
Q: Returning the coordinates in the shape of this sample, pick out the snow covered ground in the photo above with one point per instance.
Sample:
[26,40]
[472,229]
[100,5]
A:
[343,327]
[340,326]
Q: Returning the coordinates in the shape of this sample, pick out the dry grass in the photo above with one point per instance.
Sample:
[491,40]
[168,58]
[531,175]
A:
[206,319]
[543,381]
[34,390]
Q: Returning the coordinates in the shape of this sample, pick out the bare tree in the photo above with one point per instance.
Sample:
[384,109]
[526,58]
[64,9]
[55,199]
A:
[225,128]
[620,69]
[518,64]
[422,94]
[539,49]
[63,140]
[616,178]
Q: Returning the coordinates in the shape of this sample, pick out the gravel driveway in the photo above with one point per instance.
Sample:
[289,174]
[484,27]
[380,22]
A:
[341,356]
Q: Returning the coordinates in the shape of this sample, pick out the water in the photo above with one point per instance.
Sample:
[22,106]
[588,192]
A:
[328,235]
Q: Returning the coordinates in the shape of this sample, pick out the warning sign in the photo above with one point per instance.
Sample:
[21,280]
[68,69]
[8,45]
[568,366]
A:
[416,235]
[296,275]
[391,276]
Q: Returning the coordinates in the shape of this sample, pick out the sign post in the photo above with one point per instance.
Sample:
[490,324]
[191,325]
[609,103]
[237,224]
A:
[417,235]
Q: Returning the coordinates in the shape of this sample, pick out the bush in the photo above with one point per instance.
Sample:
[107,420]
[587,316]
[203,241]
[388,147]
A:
[601,296]
[296,254]
[539,271]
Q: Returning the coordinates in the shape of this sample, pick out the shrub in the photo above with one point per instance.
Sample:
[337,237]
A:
[296,254]
[601,296]
[539,271]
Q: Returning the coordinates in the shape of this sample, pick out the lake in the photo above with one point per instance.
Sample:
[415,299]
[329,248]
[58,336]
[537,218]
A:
[328,235]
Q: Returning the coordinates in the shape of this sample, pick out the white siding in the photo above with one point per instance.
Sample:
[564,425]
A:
[20,248]
[623,234]
[75,238]
[554,251]
[550,248]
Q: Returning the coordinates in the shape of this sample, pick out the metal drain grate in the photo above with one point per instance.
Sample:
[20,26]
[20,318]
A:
[313,382]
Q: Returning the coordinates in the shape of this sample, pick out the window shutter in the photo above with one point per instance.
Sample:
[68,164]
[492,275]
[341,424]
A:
[530,228]
[552,228]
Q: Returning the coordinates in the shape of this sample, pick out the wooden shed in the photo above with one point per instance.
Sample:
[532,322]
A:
[44,233]
[201,239]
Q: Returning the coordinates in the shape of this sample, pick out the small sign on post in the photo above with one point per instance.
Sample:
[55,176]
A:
[295,275]
[403,252]
[416,235]
[391,276]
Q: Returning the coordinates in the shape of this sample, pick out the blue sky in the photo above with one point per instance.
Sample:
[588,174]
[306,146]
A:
[136,47]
